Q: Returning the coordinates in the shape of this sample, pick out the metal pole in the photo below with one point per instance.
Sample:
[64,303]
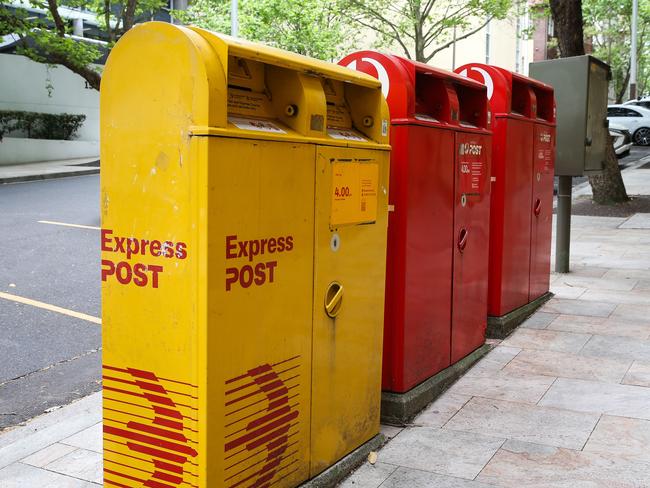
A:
[234,18]
[563,226]
[453,52]
[635,14]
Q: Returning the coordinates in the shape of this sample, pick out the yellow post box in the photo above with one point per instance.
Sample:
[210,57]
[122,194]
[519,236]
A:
[244,214]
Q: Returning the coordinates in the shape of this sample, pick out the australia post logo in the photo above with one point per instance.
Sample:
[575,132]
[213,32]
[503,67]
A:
[259,257]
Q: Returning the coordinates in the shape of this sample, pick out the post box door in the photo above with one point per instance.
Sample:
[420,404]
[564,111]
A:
[351,221]
[510,218]
[470,243]
[542,210]
[260,248]
[419,265]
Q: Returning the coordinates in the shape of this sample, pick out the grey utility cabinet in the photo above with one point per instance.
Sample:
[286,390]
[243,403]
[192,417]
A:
[581,86]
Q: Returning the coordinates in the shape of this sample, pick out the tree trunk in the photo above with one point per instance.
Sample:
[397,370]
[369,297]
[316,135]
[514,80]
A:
[607,188]
[567,18]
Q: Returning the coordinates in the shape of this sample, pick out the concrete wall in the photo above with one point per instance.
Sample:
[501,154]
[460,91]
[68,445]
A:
[23,87]
[15,150]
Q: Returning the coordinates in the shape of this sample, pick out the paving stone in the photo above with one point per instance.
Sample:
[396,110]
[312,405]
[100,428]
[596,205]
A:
[525,465]
[638,374]
[414,478]
[47,455]
[597,397]
[441,410]
[617,348]
[637,221]
[495,360]
[632,274]
[90,438]
[529,423]
[601,326]
[551,340]
[20,475]
[631,436]
[564,291]
[540,320]
[458,454]
[578,307]
[504,386]
[589,272]
[390,431]
[596,283]
[621,297]
[369,476]
[48,429]
[568,365]
[631,312]
[80,463]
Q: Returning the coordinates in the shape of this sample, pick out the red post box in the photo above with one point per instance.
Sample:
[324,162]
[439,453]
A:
[522,193]
[436,276]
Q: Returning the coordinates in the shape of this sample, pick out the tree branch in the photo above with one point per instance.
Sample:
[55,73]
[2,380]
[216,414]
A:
[58,21]
[458,38]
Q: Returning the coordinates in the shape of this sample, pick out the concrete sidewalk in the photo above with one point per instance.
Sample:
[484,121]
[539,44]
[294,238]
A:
[47,169]
[564,402]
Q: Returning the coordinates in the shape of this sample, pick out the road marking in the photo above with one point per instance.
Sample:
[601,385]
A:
[68,225]
[51,308]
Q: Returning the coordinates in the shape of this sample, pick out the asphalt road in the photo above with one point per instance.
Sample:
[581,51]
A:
[48,358]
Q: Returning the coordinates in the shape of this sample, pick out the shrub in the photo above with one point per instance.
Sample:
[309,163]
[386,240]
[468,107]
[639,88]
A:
[40,125]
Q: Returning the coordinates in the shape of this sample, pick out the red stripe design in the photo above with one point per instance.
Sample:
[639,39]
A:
[161,440]
[266,430]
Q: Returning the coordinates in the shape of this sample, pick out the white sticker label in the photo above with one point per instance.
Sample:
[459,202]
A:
[255,124]
[384,127]
[345,134]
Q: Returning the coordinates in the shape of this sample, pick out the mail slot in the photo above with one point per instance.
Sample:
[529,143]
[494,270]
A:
[436,282]
[252,183]
[522,191]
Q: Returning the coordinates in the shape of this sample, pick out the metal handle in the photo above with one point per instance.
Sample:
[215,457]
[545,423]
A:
[538,207]
[462,239]
[333,299]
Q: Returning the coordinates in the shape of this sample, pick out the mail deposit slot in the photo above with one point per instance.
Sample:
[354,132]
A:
[244,215]
[522,191]
[436,285]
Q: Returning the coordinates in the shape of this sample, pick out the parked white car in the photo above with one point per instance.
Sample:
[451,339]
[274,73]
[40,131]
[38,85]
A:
[621,139]
[641,102]
[634,118]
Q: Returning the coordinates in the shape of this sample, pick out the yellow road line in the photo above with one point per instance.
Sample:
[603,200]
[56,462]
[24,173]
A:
[51,308]
[68,225]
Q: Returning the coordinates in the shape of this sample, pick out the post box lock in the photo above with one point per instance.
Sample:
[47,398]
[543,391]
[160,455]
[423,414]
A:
[333,299]
[368,121]
[291,110]
[335,242]
[462,239]
[463,199]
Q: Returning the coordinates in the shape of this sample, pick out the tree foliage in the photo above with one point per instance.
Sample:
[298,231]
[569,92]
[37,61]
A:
[609,25]
[422,28]
[48,39]
[310,27]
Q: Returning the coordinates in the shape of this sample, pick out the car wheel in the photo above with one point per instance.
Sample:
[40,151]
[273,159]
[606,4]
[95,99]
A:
[642,136]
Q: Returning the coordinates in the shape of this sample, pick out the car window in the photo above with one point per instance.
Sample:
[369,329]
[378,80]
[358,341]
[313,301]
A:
[644,104]
[615,112]
[630,113]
